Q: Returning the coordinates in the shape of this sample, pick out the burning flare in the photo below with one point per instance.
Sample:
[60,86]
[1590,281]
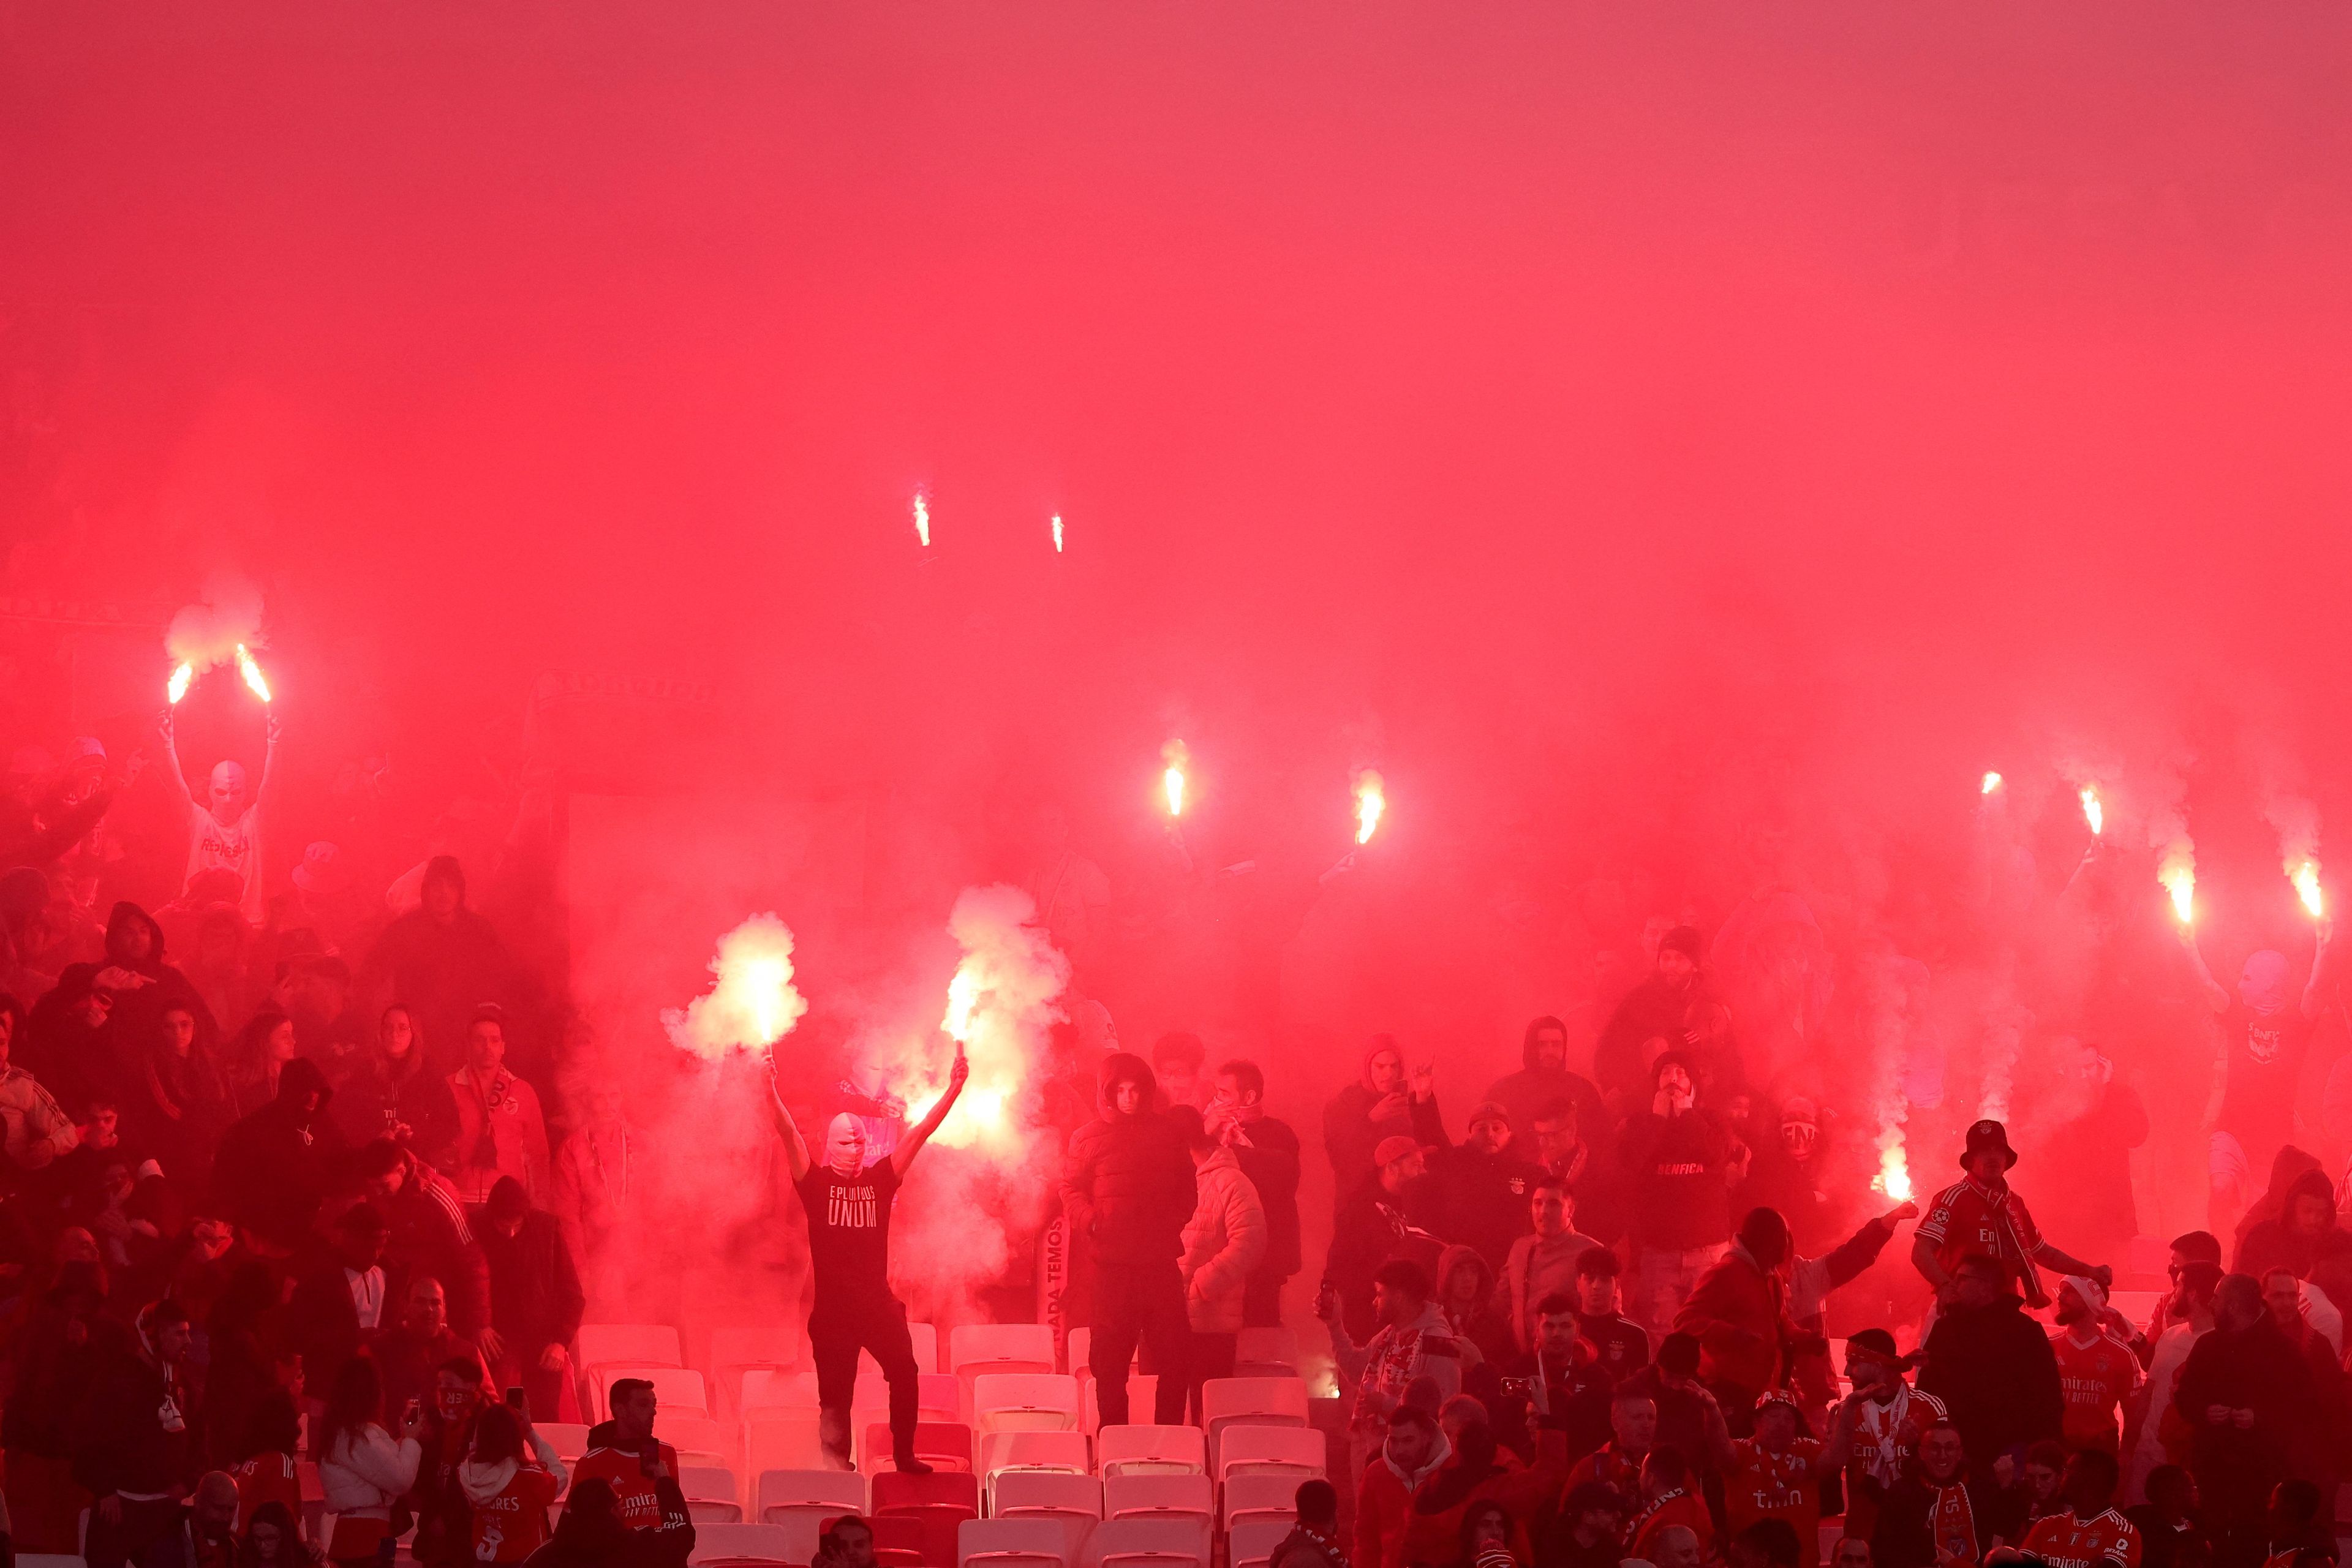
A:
[1369,802]
[1894,1176]
[1002,1002]
[922,520]
[2180,881]
[1172,778]
[1991,782]
[252,673]
[1058,533]
[177,686]
[2306,887]
[2093,812]
[753,1004]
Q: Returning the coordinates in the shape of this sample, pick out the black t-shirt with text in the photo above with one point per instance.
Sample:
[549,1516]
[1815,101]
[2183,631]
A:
[849,1229]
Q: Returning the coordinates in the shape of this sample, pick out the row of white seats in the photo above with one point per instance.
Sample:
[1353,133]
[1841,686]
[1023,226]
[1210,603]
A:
[1267,1494]
[1021,1543]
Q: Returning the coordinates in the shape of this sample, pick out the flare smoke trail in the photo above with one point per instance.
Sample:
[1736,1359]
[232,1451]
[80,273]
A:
[2175,859]
[752,1003]
[214,629]
[986,1185]
[2295,819]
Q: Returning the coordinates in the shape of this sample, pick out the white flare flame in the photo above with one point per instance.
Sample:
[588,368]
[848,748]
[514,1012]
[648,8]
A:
[2093,812]
[1894,1176]
[1991,782]
[177,686]
[1371,801]
[2306,887]
[252,673]
[922,520]
[1174,758]
[1058,533]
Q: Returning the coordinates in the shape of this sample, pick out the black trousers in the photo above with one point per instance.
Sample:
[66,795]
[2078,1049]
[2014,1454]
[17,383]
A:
[1140,1302]
[838,1332]
[1261,1300]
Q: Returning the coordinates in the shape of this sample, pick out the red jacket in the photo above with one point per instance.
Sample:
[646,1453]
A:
[1740,1311]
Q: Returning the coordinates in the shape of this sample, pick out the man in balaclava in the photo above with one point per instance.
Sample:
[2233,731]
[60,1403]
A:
[224,822]
[2265,1031]
[848,1205]
[1127,1190]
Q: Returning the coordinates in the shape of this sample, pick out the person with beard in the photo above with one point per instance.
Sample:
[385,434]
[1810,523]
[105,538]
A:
[224,823]
[1813,1280]
[1657,1009]
[1677,1164]
[1363,1116]
[1991,1365]
[2304,1240]
[2265,1032]
[2096,1369]
[444,958]
[1777,1472]
[177,1105]
[274,1165]
[848,1203]
[1938,1515]
[1545,1261]
[2186,1315]
[1557,1384]
[1268,1151]
[1373,1227]
[1477,1190]
[2100,1120]
[1415,1345]
[1412,1449]
[388,1090]
[2246,1395]
[1544,1078]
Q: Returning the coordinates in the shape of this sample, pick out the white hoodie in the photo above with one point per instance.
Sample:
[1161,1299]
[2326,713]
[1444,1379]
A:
[366,1473]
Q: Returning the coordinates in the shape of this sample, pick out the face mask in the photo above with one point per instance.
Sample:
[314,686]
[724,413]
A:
[845,1145]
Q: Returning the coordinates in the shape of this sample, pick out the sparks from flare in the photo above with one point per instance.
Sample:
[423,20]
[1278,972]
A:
[1174,758]
[2093,812]
[1370,801]
[922,520]
[1991,782]
[252,673]
[1058,533]
[2306,887]
[177,686]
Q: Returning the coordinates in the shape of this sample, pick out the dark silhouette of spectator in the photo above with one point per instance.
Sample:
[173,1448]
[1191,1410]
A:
[536,1302]
[1990,1366]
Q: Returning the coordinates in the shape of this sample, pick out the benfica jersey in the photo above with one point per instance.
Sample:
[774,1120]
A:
[2094,1379]
[1761,1484]
[2066,1541]
[1969,1221]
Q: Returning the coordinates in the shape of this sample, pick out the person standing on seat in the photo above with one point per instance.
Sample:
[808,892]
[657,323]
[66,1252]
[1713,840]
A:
[1127,1190]
[848,1204]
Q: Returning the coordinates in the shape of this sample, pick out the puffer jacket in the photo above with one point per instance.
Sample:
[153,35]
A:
[1222,1245]
[1127,1181]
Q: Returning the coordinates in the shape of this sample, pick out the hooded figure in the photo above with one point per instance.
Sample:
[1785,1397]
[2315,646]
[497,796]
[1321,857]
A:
[275,1164]
[443,960]
[1543,1077]
[1658,1008]
[2303,1238]
[143,983]
[1377,1106]
[1126,1193]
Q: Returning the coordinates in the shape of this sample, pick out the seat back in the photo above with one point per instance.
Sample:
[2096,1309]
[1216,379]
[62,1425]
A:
[761,1542]
[677,1389]
[1260,1400]
[970,1343]
[774,1388]
[710,1497]
[1252,1541]
[633,1344]
[698,1439]
[1265,1352]
[841,1491]
[775,1440]
[1001,1452]
[737,1351]
[1149,1450]
[1024,1402]
[942,1444]
[1040,1492]
[1259,1497]
[1150,1543]
[1157,1496]
[897,1492]
[925,1340]
[1299,1452]
[1011,1543]
[569,1438]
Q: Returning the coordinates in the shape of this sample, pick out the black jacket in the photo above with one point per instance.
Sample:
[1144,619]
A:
[1477,1199]
[1270,1161]
[275,1164]
[535,1296]
[123,1440]
[2255,1369]
[1127,1181]
[1993,1369]
[1903,1539]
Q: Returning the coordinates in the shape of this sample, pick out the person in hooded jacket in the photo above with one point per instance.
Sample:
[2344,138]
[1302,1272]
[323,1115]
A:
[1223,1243]
[143,985]
[1128,1192]
[1464,1282]
[275,1164]
[67,1046]
[1990,1366]
[1377,1107]
[1544,1078]
[2304,1239]
[1739,1312]
[444,958]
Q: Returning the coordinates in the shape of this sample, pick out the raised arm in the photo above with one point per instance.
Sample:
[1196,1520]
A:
[920,1133]
[171,757]
[2215,996]
[796,1155]
[2315,994]
[268,757]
